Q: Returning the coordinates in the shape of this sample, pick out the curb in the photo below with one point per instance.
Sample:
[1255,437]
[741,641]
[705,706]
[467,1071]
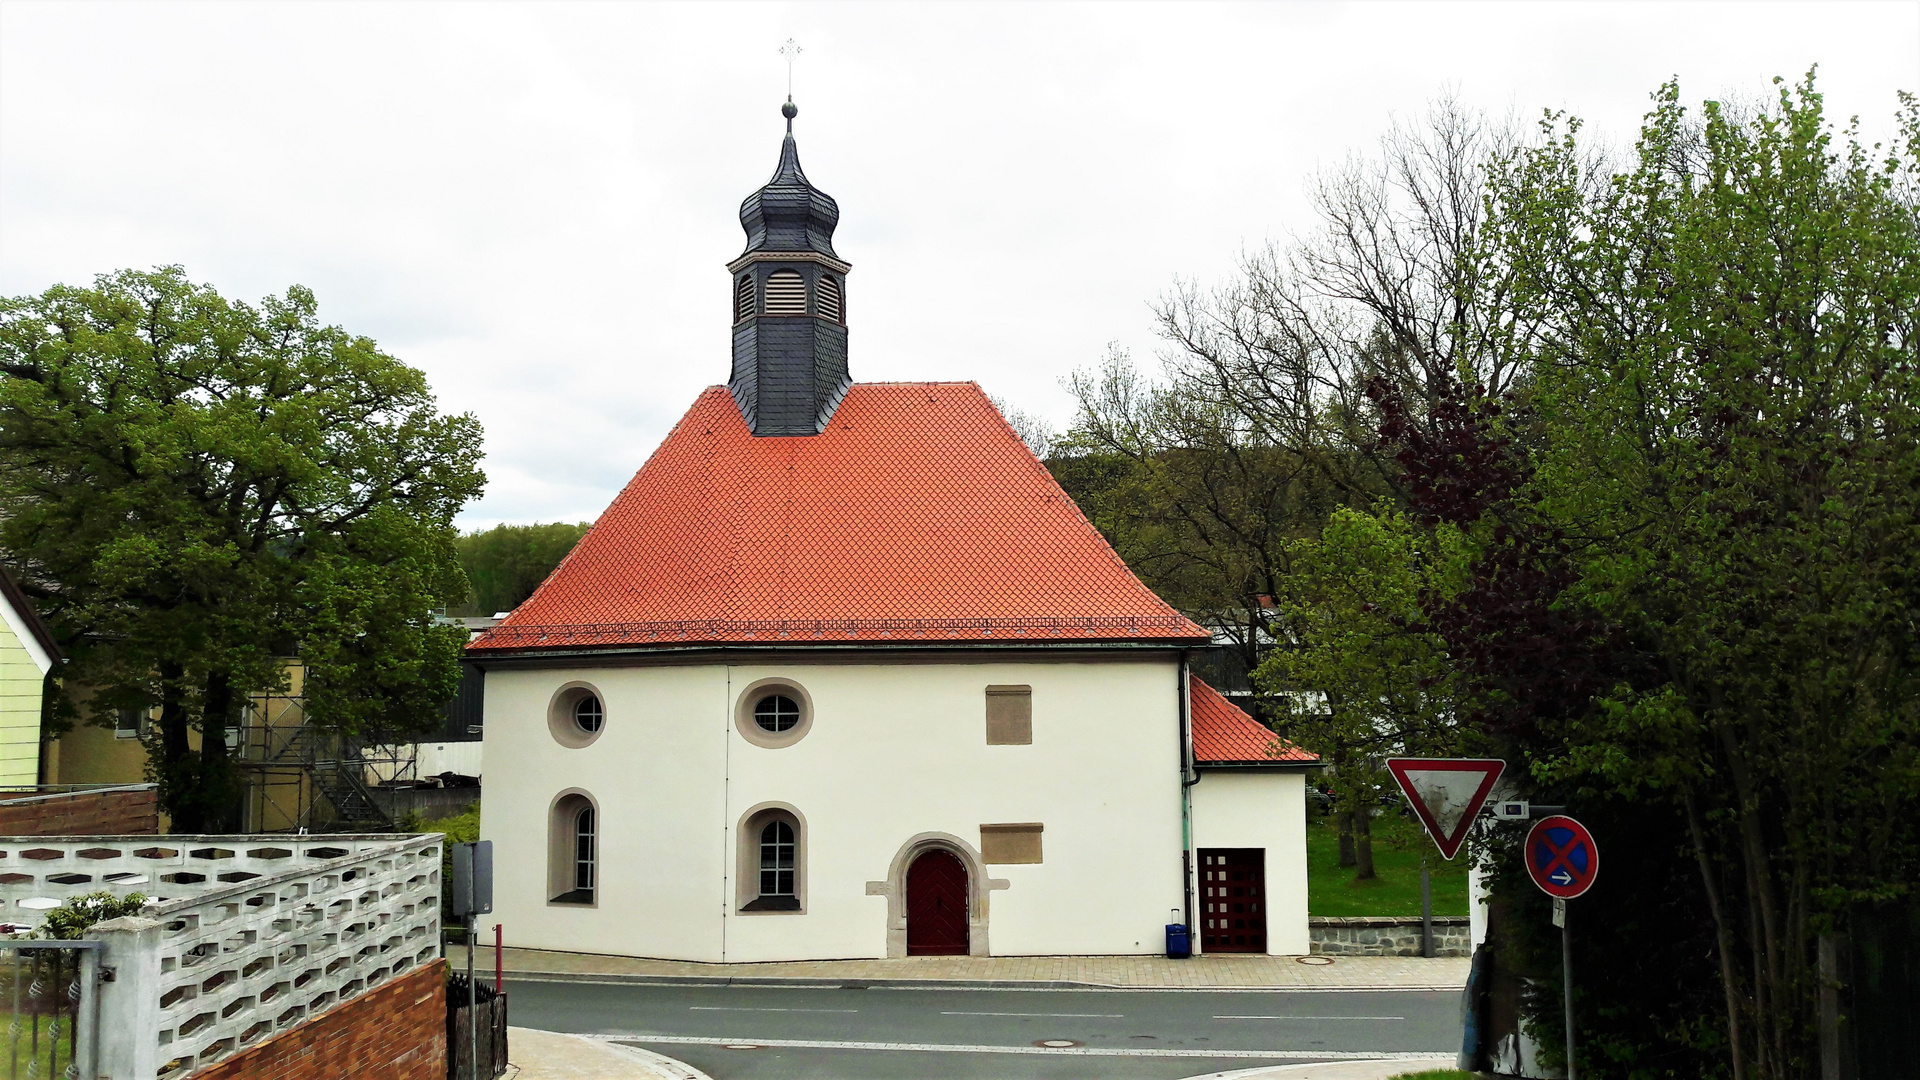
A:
[816,983]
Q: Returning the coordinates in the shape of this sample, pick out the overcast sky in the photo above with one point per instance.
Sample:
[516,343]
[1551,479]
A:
[534,203]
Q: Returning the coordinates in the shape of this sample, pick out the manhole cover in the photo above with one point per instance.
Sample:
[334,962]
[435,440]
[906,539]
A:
[1058,1044]
[1313,961]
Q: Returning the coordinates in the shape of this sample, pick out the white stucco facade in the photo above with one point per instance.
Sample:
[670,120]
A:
[896,754]
[1258,808]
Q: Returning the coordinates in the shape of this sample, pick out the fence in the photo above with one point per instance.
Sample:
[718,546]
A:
[250,935]
[492,1010]
[47,987]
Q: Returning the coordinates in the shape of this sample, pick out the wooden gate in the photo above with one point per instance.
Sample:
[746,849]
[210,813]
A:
[1233,891]
[937,905]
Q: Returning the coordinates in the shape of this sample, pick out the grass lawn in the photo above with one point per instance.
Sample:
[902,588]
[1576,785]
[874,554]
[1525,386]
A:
[45,1056]
[1397,846]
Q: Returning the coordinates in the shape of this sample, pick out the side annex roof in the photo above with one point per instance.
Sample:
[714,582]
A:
[1224,736]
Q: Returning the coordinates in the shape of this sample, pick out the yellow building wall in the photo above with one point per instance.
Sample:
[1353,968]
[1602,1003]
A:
[90,754]
[94,755]
[20,689]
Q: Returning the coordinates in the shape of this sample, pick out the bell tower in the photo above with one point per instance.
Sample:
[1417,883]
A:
[789,304]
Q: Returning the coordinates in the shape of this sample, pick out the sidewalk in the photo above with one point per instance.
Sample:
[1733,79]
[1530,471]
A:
[1217,972]
[550,1055]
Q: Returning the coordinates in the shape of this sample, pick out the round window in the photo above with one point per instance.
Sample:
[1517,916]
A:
[776,713]
[577,715]
[587,714]
[773,713]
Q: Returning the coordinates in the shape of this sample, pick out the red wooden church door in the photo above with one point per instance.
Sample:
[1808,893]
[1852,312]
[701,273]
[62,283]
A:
[937,905]
[1233,883]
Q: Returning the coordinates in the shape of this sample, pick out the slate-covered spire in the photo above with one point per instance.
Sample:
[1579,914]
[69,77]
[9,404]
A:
[789,213]
[789,304]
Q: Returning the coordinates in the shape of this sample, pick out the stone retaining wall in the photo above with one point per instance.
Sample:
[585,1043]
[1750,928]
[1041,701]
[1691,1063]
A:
[1373,936]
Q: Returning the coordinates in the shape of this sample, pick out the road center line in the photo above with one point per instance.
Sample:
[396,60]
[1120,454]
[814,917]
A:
[1310,1017]
[1075,1051]
[1056,1016]
[744,1009]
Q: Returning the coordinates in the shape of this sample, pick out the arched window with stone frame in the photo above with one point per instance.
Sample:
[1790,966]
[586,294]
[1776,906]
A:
[772,859]
[573,850]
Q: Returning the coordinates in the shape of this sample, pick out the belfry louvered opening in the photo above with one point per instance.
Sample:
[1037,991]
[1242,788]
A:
[829,298]
[743,299]
[786,293]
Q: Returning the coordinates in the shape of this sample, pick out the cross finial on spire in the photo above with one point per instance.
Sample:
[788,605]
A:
[791,50]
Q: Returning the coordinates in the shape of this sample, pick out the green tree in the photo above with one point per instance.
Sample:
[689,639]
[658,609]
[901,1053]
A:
[506,563]
[194,488]
[1364,678]
[1721,496]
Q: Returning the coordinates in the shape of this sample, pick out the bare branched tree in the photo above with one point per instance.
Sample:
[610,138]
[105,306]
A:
[1032,428]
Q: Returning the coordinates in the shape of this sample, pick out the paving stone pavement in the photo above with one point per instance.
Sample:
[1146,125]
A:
[550,1055]
[1144,972]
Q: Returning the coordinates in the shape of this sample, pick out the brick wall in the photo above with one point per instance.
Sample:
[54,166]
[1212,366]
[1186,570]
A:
[394,1032]
[119,812]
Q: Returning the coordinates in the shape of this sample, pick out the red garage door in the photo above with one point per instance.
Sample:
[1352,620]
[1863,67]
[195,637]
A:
[1233,893]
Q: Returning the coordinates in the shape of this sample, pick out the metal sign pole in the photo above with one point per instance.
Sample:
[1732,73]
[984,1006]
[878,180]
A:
[473,896]
[473,1005]
[1566,987]
[1426,909]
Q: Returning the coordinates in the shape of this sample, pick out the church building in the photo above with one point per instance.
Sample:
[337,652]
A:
[842,672]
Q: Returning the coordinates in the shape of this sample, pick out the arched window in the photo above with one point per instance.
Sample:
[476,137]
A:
[743,299]
[786,293]
[829,295]
[776,713]
[776,860]
[773,847]
[573,850]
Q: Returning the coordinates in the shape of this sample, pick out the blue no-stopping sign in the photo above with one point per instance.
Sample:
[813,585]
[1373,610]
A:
[1562,857]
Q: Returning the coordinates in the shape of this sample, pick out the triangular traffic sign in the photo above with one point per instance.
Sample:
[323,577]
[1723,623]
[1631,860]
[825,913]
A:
[1447,793]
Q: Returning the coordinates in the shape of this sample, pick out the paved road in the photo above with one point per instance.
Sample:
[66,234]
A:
[760,1033]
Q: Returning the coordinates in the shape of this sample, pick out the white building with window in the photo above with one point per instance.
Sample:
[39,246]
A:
[843,673]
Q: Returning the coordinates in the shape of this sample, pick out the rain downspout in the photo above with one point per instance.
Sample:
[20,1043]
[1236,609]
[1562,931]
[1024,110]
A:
[1188,778]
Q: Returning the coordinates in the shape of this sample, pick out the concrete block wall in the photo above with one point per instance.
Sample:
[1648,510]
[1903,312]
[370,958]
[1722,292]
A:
[395,1032]
[1373,936]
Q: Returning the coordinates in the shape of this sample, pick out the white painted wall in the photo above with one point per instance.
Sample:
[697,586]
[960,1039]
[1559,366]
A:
[657,773]
[1260,810]
[895,750]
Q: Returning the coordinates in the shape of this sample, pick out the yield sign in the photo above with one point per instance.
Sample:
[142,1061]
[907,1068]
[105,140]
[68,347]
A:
[1447,793]
[1561,857]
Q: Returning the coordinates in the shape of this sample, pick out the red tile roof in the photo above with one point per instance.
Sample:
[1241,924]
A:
[1223,733]
[917,515]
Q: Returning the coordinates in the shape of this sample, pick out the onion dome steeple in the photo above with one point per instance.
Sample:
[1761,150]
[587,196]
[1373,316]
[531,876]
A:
[789,304]
[789,213]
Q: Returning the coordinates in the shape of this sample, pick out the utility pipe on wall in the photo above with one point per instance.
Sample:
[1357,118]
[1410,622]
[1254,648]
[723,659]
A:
[1188,778]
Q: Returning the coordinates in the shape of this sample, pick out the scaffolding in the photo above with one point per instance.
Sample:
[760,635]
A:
[302,779]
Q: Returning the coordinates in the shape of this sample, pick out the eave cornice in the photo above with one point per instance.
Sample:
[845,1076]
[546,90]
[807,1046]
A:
[752,257]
